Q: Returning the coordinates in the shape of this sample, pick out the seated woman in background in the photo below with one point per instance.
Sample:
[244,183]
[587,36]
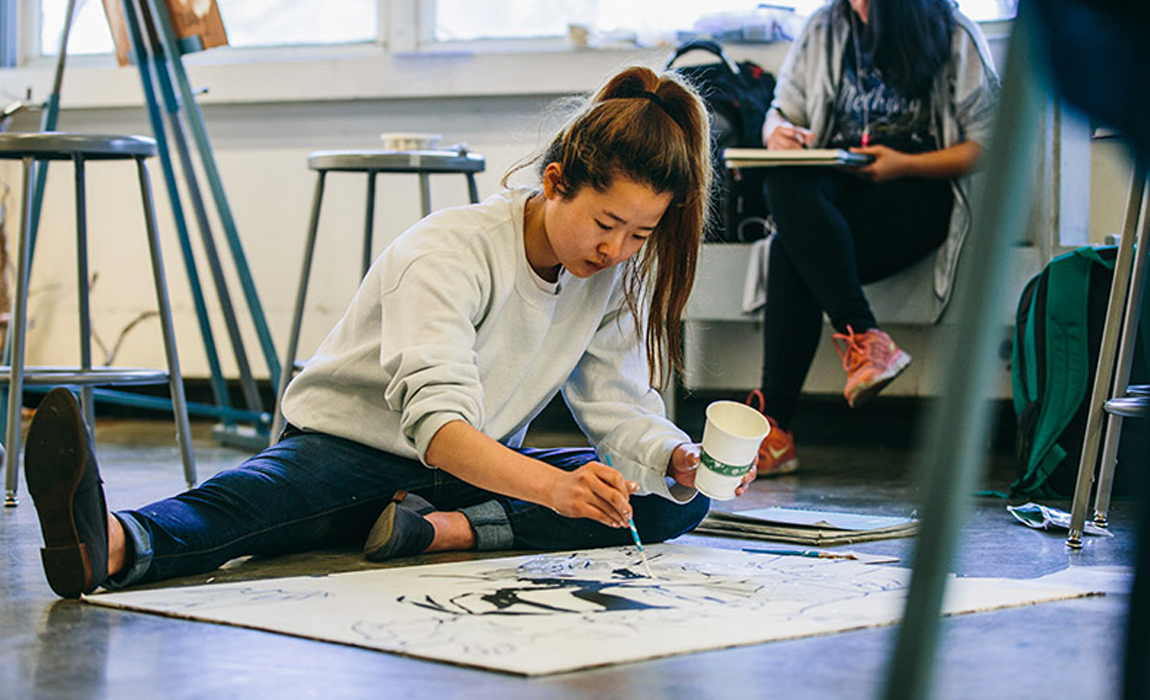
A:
[911,83]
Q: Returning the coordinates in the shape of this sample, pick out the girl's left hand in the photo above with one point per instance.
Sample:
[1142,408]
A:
[685,463]
[888,164]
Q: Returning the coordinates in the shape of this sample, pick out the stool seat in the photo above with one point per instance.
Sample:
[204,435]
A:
[95,376]
[397,161]
[60,145]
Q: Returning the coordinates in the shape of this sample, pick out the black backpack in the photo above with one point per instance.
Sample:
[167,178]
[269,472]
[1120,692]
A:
[737,96]
[1057,335]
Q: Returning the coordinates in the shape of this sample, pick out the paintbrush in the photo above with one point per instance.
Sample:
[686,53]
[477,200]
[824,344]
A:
[634,531]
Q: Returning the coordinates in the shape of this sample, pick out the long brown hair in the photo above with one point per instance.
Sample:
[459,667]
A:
[651,128]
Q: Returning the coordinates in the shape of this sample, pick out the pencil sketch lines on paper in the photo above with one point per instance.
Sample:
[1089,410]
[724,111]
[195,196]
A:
[250,595]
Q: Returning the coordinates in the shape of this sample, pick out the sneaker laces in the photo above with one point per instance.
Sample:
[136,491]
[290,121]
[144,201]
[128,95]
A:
[757,396]
[858,349]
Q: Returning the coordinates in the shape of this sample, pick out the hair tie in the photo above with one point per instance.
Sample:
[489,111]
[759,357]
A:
[647,94]
[654,98]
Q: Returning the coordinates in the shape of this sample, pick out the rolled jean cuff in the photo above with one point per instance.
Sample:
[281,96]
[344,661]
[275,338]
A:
[491,525]
[141,543]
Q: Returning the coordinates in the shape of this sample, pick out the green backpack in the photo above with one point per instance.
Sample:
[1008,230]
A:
[1057,333]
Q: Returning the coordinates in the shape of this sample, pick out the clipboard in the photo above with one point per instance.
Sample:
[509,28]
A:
[768,158]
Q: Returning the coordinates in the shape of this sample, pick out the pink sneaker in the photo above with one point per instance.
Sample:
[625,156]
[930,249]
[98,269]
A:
[871,360]
[777,455]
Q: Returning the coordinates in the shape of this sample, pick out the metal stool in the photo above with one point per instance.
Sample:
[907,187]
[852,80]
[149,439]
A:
[1111,398]
[421,163]
[80,148]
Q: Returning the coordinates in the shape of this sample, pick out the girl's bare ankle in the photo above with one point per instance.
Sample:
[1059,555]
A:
[453,531]
[117,545]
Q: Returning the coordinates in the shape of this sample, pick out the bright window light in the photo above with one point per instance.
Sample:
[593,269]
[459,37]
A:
[648,21]
[249,23]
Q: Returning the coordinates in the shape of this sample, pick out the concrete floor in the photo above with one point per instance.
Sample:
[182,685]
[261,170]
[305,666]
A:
[57,649]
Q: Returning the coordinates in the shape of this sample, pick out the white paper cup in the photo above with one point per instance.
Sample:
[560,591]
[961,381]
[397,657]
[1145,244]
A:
[731,439]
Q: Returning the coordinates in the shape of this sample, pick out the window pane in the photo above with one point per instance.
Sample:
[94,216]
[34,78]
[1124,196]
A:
[646,20]
[89,34]
[248,23]
[293,22]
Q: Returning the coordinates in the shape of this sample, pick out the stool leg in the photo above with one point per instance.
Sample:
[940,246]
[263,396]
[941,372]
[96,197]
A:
[16,336]
[1092,436]
[425,193]
[1122,372]
[368,222]
[86,402]
[297,314]
[175,379]
[472,190]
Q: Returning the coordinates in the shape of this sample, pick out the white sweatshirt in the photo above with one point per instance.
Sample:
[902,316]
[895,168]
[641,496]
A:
[451,323]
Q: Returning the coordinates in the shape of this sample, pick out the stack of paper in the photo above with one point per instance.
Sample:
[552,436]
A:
[802,526]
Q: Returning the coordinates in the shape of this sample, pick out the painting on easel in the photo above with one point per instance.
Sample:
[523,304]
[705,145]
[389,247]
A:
[190,18]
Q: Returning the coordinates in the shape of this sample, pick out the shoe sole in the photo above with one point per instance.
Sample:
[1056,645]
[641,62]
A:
[53,470]
[865,394]
[375,546]
[381,531]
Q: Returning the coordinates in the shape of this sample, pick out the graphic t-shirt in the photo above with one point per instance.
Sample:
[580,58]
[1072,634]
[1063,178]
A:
[895,120]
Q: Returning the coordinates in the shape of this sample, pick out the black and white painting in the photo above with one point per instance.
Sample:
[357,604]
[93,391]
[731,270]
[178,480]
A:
[554,612]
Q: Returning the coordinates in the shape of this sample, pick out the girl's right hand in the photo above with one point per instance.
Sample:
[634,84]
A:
[593,491]
[790,137]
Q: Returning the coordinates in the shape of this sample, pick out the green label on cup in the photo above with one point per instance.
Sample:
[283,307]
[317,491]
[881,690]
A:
[722,468]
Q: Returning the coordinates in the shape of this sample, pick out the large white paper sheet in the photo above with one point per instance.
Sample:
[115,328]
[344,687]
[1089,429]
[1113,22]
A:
[549,613]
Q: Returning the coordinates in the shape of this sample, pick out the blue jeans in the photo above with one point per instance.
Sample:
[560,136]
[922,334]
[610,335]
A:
[312,490]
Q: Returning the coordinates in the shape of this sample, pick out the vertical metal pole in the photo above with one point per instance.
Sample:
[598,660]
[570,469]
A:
[175,378]
[472,189]
[425,193]
[82,281]
[16,339]
[955,441]
[47,123]
[297,315]
[49,118]
[1103,378]
[1124,363]
[368,225]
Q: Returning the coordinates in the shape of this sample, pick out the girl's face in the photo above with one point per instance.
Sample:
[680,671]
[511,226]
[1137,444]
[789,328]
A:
[594,230]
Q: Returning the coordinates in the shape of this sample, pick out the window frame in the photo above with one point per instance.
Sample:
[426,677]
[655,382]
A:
[405,63]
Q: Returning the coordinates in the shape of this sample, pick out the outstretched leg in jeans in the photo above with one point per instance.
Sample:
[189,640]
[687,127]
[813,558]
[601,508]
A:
[307,492]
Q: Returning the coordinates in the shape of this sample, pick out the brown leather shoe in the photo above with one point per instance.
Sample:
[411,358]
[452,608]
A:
[65,485]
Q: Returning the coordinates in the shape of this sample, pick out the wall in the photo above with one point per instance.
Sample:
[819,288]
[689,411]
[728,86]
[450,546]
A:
[263,121]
